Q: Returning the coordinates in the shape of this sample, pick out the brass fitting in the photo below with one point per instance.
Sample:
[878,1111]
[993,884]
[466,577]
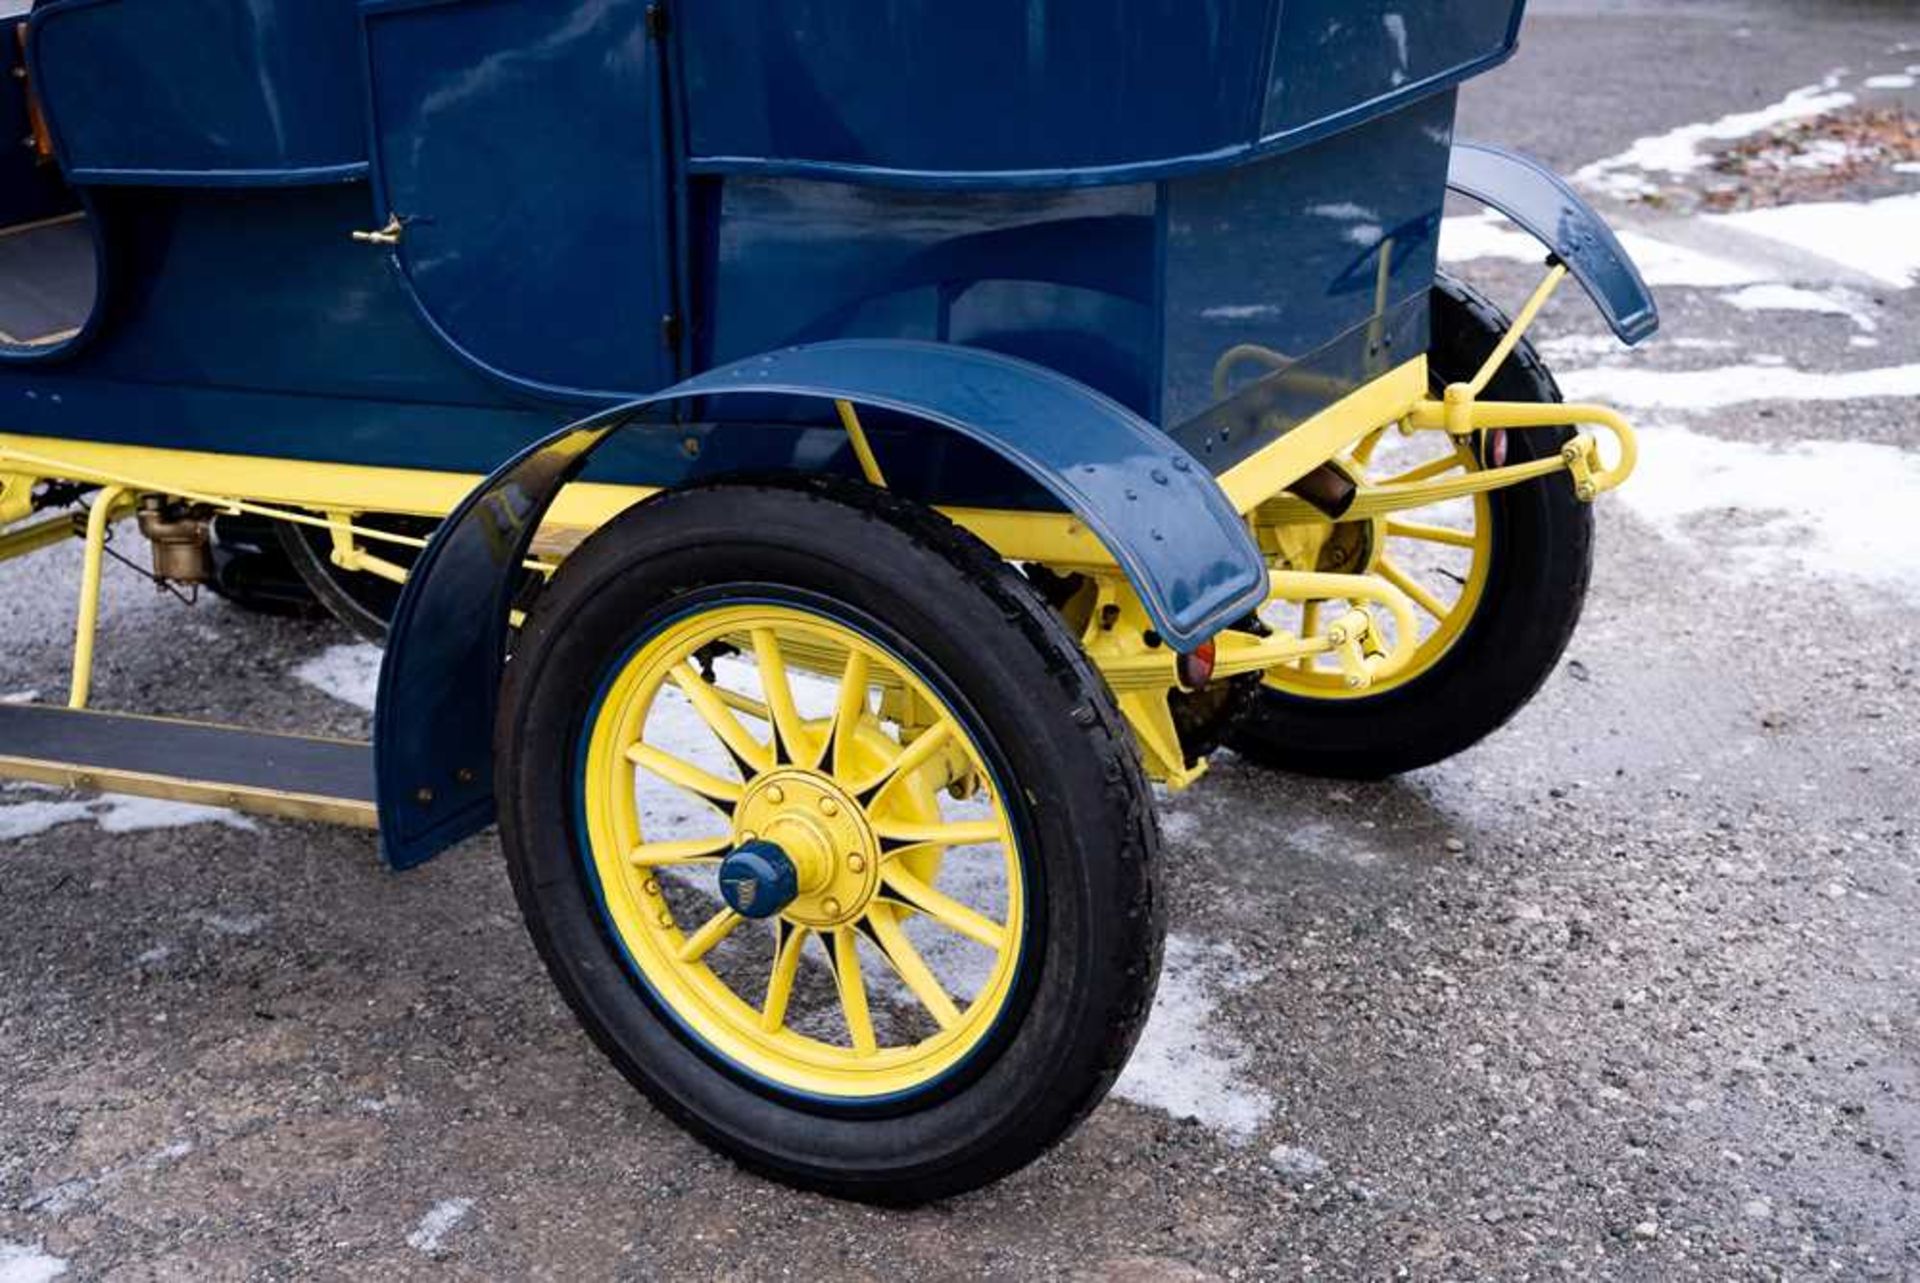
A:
[178,533]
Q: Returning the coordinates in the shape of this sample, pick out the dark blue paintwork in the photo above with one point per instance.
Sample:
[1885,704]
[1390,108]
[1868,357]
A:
[1049,93]
[193,91]
[1543,203]
[758,880]
[1157,511]
[521,142]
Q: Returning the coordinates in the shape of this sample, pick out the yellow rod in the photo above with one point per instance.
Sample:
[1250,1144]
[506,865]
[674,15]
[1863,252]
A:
[1504,348]
[850,420]
[98,520]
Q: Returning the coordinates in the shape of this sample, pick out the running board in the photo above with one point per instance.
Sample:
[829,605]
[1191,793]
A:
[298,776]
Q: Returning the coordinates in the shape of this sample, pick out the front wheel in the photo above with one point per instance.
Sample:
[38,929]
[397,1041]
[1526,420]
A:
[1499,580]
[830,835]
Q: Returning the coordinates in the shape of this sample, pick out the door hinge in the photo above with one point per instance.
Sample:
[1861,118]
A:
[657,21]
[670,329]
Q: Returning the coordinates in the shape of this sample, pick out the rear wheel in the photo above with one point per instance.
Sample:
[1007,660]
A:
[830,835]
[1499,580]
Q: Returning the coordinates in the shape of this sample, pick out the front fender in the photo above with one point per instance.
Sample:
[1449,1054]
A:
[1155,508]
[1540,201]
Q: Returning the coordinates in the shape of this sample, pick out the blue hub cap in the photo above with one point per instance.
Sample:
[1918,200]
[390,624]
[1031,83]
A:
[757,880]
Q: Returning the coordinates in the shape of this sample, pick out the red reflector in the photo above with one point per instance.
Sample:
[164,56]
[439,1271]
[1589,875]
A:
[1196,666]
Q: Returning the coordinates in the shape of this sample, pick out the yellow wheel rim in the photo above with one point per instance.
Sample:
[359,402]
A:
[766,722]
[1440,558]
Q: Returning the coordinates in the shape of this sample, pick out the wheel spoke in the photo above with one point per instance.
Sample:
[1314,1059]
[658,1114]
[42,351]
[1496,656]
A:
[789,941]
[1309,625]
[1430,533]
[1426,471]
[909,890]
[717,928]
[655,855]
[720,719]
[784,713]
[722,793]
[1363,453]
[847,713]
[959,833]
[1412,587]
[853,990]
[886,932]
[911,758]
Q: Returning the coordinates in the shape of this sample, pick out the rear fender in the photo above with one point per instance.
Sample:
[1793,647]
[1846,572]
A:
[1542,202]
[1155,508]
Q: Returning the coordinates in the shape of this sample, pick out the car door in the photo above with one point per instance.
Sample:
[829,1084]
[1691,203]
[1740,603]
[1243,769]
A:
[519,150]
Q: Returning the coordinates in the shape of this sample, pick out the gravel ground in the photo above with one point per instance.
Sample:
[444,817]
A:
[1628,991]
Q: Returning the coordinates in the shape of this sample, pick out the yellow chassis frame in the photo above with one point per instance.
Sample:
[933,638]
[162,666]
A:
[1141,672]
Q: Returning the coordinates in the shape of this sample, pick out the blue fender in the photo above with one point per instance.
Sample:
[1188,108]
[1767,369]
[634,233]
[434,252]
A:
[1156,509]
[1541,201]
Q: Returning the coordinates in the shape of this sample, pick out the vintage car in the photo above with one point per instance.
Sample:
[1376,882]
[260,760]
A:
[813,465]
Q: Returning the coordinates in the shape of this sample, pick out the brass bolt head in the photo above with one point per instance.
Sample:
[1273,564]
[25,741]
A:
[776,795]
[832,907]
[857,862]
[666,919]
[653,886]
[829,807]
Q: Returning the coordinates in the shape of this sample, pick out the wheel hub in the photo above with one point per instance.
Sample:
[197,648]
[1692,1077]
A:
[822,835]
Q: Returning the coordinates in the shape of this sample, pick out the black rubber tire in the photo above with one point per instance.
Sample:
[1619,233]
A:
[363,602]
[976,630]
[1541,560]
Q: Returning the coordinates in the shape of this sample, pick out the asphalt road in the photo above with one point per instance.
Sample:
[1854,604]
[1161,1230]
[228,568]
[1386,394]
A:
[1628,991]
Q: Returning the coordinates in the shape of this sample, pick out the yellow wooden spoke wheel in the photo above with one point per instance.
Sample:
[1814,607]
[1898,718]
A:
[768,791]
[1497,581]
[830,834]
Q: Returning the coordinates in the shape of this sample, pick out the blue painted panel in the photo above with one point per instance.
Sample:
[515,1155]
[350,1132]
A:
[1050,93]
[1542,202]
[1330,56]
[202,91]
[985,86]
[1277,265]
[1066,279]
[1186,550]
[520,141]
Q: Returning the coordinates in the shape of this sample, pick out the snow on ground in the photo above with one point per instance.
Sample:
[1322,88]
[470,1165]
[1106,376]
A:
[1680,152]
[1824,508]
[1466,237]
[1185,1066]
[1878,238]
[113,813]
[22,1264]
[1792,298]
[1896,80]
[440,1220]
[351,674]
[1713,389]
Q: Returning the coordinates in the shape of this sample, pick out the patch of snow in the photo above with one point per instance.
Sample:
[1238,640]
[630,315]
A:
[114,814]
[1297,1163]
[1791,298]
[1182,1065]
[1734,384]
[22,1264]
[1877,238]
[1663,263]
[233,924]
[1563,347]
[57,1200]
[351,674]
[1679,152]
[1466,237]
[1896,81]
[1861,340]
[1907,167]
[439,1221]
[20,697]
[1826,508]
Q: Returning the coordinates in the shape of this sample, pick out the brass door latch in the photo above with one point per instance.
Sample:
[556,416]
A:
[388,235]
